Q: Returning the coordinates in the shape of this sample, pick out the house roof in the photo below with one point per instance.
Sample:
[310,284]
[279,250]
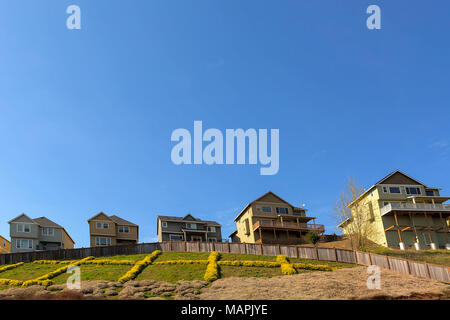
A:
[121,221]
[383,180]
[45,222]
[268,193]
[234,232]
[181,219]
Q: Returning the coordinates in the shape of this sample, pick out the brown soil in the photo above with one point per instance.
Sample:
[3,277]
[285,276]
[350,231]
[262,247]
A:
[340,284]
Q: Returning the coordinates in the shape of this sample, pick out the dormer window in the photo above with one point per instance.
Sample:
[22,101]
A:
[267,209]
[394,189]
[412,190]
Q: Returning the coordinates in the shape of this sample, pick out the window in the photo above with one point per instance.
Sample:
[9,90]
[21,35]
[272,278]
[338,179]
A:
[191,226]
[385,203]
[47,232]
[23,227]
[385,189]
[267,209]
[124,229]
[212,229]
[4,243]
[102,241]
[282,210]
[175,237]
[394,189]
[164,224]
[105,226]
[99,225]
[430,193]
[371,214]
[24,244]
[102,225]
[412,190]
[247,227]
[212,239]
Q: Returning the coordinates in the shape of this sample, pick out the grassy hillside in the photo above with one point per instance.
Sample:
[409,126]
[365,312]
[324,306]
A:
[158,269]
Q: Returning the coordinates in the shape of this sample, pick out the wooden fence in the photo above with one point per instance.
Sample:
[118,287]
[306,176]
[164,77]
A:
[415,268]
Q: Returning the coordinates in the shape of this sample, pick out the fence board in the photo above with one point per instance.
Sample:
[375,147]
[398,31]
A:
[347,256]
[439,273]
[270,250]
[363,258]
[306,253]
[418,269]
[399,265]
[379,261]
[326,254]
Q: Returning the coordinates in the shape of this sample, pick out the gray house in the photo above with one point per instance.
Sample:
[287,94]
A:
[37,234]
[187,228]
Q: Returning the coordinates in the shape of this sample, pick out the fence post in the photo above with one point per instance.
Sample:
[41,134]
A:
[279,249]
[409,268]
[245,248]
[335,255]
[355,256]
[317,253]
[428,270]
[389,263]
[370,259]
[213,246]
[198,246]
[228,245]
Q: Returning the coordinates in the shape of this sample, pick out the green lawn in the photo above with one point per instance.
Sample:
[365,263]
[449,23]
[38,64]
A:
[165,256]
[28,271]
[173,273]
[338,265]
[95,272]
[257,272]
[249,257]
[440,257]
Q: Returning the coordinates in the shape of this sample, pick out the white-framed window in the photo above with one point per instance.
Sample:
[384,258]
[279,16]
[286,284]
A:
[102,225]
[191,226]
[267,209]
[124,229]
[175,237]
[212,229]
[4,243]
[24,244]
[394,190]
[212,239]
[385,203]
[23,227]
[281,210]
[385,190]
[164,224]
[48,232]
[102,241]
[412,190]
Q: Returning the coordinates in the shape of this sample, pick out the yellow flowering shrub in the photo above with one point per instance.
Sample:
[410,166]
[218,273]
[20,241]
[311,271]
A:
[286,267]
[111,262]
[54,261]
[139,266]
[245,263]
[10,266]
[212,270]
[42,280]
[314,267]
[9,282]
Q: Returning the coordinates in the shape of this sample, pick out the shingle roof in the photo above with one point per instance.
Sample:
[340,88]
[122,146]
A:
[121,221]
[182,219]
[45,222]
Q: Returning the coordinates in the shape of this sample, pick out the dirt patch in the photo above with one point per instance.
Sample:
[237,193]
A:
[340,284]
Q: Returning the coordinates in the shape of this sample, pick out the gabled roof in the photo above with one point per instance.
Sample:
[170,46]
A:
[392,174]
[99,214]
[264,195]
[122,222]
[22,215]
[46,223]
[182,219]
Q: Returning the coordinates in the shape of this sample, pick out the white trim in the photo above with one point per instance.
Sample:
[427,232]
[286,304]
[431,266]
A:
[164,224]
[20,241]
[127,228]
[23,227]
[176,235]
[48,233]
[99,244]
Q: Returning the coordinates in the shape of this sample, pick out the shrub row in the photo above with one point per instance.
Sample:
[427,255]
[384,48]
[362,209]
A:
[212,270]
[54,261]
[9,282]
[245,263]
[286,267]
[45,279]
[315,267]
[139,266]
[11,266]
[182,262]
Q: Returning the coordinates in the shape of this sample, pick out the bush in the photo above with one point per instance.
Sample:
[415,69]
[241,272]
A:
[9,282]
[286,267]
[11,266]
[314,267]
[139,266]
[212,270]
[245,263]
[312,237]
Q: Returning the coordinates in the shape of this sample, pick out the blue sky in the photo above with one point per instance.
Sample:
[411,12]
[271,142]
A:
[86,115]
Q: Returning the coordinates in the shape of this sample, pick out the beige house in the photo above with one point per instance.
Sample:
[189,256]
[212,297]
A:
[5,245]
[270,219]
[402,212]
[107,230]
[187,228]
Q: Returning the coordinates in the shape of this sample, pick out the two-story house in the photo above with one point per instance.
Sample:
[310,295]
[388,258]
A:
[187,228]
[5,245]
[270,219]
[37,234]
[107,230]
[401,212]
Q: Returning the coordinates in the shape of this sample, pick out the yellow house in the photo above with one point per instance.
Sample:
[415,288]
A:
[270,219]
[5,245]
[402,212]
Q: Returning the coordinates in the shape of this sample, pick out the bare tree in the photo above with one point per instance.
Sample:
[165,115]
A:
[355,220]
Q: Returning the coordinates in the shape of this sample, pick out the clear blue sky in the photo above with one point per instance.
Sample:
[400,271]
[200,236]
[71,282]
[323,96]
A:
[86,116]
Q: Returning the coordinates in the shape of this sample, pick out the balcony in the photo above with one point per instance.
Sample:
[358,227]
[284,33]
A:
[285,225]
[418,207]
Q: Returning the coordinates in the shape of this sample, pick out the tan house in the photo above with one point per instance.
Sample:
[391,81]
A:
[5,245]
[107,230]
[401,212]
[270,219]
[187,228]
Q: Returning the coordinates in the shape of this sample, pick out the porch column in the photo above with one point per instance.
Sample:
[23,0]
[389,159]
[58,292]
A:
[260,235]
[298,223]
[429,230]
[281,219]
[398,228]
[275,234]
[413,226]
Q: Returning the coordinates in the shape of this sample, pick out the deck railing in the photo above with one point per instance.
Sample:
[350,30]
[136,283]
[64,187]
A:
[414,207]
[319,228]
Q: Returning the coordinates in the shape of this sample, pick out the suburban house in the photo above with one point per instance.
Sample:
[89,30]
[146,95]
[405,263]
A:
[5,245]
[37,234]
[401,212]
[187,228]
[107,230]
[270,219]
